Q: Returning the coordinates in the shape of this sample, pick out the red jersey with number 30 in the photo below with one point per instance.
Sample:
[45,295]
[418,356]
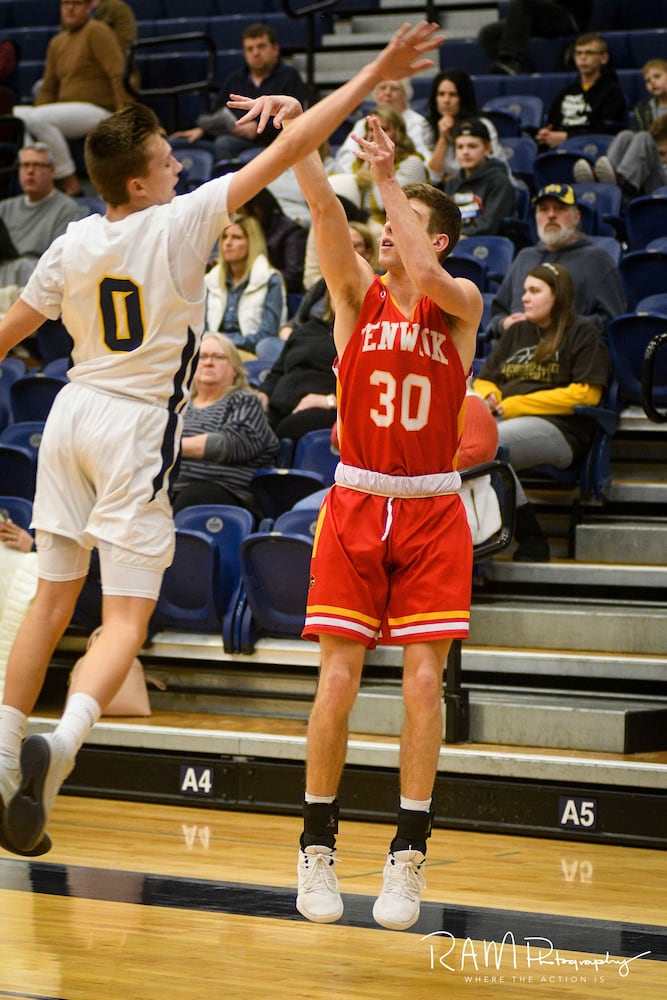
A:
[402,389]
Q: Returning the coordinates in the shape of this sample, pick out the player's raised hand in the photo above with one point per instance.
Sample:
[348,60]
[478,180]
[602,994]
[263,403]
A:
[403,55]
[376,149]
[277,106]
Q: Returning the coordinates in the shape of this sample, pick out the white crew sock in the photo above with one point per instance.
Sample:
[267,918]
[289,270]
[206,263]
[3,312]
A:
[417,805]
[12,730]
[79,717]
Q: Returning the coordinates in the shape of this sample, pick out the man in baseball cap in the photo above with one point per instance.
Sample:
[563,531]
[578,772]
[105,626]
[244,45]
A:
[563,193]
[598,290]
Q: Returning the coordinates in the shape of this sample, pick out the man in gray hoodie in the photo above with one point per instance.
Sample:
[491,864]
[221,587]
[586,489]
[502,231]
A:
[598,290]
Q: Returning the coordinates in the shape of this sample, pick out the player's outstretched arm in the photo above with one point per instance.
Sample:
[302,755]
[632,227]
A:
[17,324]
[403,56]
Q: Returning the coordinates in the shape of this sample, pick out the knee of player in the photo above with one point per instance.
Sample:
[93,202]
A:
[422,689]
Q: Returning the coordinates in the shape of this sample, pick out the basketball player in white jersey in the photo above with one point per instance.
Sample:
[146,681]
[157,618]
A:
[130,288]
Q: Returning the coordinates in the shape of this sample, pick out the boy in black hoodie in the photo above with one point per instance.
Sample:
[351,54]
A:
[594,102]
[482,188]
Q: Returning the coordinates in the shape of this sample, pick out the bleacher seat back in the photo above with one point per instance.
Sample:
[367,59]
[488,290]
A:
[226,526]
[314,453]
[24,434]
[628,336]
[32,396]
[275,569]
[18,471]
[643,272]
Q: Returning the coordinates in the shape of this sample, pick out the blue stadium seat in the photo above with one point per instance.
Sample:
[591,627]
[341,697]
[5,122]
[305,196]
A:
[25,434]
[495,252]
[189,597]
[28,13]
[19,509]
[653,303]
[611,245]
[32,396]
[297,522]
[11,369]
[275,569]
[28,72]
[33,41]
[277,490]
[197,167]
[315,454]
[589,146]
[528,108]
[556,166]
[628,337]
[644,45]
[460,266]
[520,153]
[507,124]
[645,220]
[643,272]
[226,526]
[463,53]
[18,471]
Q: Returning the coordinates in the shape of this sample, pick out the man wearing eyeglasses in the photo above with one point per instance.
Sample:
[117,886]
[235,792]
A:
[593,102]
[82,85]
[33,219]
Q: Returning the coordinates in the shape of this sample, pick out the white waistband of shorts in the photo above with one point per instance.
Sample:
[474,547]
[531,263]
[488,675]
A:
[432,485]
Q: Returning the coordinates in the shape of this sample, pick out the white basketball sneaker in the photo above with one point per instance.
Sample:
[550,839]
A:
[397,906]
[318,897]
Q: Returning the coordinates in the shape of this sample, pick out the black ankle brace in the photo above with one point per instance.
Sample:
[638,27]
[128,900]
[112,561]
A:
[320,824]
[413,830]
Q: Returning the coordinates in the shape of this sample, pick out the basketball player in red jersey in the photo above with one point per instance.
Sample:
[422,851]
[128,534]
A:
[392,554]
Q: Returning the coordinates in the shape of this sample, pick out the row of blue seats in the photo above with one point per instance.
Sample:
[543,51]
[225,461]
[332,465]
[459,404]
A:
[629,49]
[27,13]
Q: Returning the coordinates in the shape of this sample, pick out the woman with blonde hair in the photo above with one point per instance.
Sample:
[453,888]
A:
[245,295]
[226,436]
[542,367]
[409,165]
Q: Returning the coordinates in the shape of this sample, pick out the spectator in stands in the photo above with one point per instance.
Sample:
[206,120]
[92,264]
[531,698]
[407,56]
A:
[636,161]
[545,363]
[299,393]
[452,99]
[245,296]
[285,239]
[226,437]
[409,166]
[29,222]
[593,102]
[120,18]
[395,94]
[506,41]
[364,241]
[598,291]
[82,85]
[264,73]
[649,108]
[482,187]
[9,60]
[34,218]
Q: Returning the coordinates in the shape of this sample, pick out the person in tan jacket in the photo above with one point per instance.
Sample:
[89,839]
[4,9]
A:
[82,84]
